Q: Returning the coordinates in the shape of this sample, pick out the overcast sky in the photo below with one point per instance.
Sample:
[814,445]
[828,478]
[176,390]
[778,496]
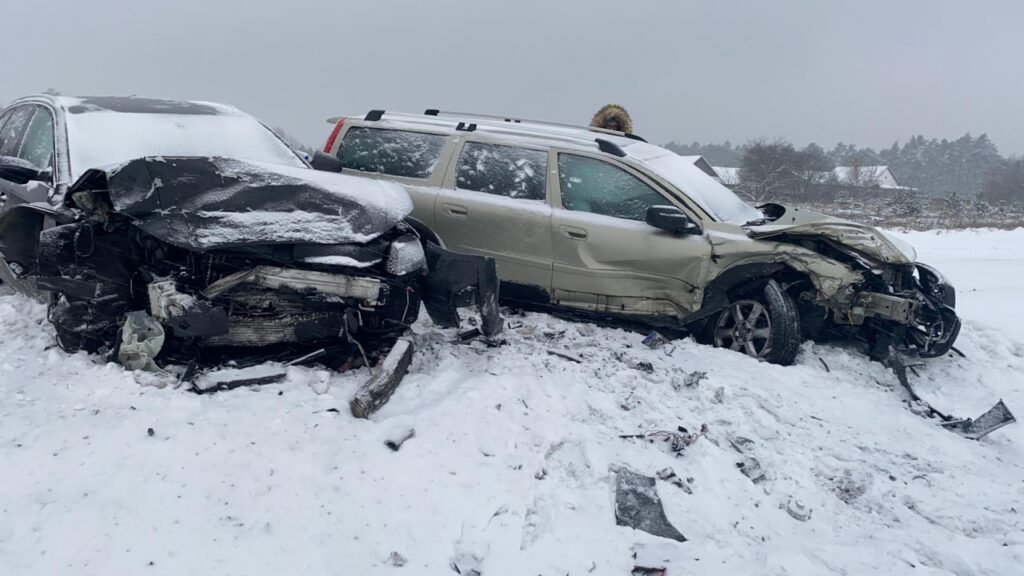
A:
[864,72]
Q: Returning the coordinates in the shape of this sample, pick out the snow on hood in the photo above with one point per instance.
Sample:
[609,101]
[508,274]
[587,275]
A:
[208,203]
[106,131]
[864,239]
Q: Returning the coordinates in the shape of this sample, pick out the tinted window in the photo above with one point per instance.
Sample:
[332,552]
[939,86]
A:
[591,185]
[13,130]
[504,170]
[393,152]
[37,146]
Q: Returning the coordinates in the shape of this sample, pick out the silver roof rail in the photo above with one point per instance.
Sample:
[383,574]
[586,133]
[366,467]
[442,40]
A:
[513,120]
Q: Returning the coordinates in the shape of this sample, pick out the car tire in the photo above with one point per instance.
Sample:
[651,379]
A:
[761,322]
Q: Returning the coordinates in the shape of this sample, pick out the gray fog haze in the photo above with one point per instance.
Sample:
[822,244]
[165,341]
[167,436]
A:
[865,72]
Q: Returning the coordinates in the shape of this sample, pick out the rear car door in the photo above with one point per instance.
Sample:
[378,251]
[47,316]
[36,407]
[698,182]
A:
[606,258]
[412,158]
[494,203]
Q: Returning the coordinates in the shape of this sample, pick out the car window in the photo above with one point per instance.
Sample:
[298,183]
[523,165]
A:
[392,152]
[503,170]
[37,146]
[595,186]
[14,130]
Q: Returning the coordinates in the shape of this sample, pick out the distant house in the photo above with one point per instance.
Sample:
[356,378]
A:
[702,163]
[866,177]
[880,177]
[728,175]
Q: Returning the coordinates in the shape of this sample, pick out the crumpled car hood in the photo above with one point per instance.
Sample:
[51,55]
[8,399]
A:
[864,239]
[209,203]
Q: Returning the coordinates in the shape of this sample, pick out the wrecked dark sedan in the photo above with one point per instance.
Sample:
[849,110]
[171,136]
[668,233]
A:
[190,230]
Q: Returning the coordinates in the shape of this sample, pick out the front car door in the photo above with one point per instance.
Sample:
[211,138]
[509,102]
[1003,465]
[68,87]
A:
[26,133]
[606,258]
[494,203]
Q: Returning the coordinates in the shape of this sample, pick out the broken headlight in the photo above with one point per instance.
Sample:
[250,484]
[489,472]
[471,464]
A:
[406,256]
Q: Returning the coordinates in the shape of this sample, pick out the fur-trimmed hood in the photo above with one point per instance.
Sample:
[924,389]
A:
[610,111]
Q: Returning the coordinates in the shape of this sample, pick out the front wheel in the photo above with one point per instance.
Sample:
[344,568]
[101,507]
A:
[762,324]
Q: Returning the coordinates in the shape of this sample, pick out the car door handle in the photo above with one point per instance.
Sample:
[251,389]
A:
[456,210]
[573,232]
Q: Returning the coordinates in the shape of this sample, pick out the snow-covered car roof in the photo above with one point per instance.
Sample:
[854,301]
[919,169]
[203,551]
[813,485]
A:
[712,197]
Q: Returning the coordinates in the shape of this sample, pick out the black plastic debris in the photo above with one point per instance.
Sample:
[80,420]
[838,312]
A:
[638,506]
[645,367]
[230,378]
[565,355]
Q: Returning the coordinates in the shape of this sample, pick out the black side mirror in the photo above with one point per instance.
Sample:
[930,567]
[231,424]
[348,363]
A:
[20,171]
[325,162]
[672,219]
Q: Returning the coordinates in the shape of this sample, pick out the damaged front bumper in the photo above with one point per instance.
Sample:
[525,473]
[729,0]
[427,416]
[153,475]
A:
[915,313]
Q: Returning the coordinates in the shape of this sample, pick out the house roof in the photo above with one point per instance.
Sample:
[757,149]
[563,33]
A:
[868,176]
[728,175]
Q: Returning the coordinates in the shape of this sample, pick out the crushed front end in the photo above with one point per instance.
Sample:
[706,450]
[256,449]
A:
[226,260]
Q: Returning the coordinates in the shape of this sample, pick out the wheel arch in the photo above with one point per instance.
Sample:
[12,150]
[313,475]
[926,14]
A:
[744,277]
[424,231]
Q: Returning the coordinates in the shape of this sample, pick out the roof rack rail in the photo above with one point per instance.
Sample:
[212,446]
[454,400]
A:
[374,115]
[512,120]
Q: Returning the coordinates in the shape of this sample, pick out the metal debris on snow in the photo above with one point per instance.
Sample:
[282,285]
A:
[676,441]
[975,429]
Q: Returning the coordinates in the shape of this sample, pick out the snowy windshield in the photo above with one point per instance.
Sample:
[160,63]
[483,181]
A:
[100,134]
[712,196]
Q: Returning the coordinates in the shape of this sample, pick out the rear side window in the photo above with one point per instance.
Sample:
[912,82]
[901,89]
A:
[13,131]
[503,170]
[392,152]
[595,186]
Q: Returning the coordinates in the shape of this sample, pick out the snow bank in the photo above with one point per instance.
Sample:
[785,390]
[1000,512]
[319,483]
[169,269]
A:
[509,468]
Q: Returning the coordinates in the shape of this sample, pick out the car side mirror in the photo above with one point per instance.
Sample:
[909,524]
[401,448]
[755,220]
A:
[672,219]
[325,162]
[20,171]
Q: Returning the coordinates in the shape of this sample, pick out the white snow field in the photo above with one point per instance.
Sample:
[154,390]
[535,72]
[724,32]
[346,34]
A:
[508,472]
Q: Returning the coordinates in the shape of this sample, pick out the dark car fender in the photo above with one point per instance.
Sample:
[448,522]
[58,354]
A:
[458,280]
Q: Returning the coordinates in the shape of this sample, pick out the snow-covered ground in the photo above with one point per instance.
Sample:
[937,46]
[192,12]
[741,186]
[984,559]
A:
[509,469]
